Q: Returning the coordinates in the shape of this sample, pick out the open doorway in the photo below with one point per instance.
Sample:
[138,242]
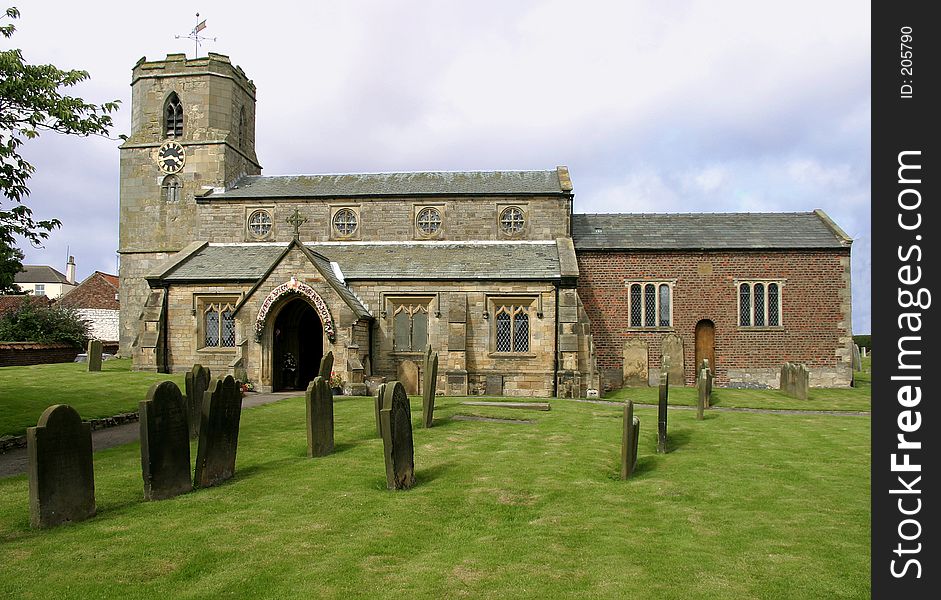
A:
[297,346]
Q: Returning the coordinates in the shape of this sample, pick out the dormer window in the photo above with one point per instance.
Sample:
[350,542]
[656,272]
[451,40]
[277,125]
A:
[173,116]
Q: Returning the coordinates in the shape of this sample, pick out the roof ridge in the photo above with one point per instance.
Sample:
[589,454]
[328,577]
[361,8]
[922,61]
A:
[356,173]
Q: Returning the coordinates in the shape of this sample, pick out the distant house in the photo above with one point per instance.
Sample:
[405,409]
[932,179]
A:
[43,280]
[96,300]
[9,303]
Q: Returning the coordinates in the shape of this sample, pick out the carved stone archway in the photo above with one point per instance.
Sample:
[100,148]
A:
[310,294]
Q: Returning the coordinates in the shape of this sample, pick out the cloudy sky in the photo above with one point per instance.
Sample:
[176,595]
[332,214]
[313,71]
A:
[669,106]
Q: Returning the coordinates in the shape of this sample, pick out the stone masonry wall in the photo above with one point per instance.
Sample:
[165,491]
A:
[815,311]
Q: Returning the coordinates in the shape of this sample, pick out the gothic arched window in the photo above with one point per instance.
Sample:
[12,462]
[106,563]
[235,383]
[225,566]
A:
[172,189]
[173,116]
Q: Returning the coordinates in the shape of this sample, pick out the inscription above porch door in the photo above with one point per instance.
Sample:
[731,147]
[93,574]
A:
[706,344]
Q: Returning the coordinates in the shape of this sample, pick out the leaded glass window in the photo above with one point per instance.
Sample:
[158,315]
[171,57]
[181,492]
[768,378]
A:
[759,304]
[511,220]
[744,303]
[512,328]
[219,325]
[649,304]
[171,189]
[773,308]
[637,308]
[410,328]
[344,222]
[259,223]
[428,221]
[759,294]
[173,116]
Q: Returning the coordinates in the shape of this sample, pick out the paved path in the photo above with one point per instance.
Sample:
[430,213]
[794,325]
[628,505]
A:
[14,461]
[771,411]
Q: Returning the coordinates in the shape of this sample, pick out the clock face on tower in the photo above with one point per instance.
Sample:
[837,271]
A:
[170,157]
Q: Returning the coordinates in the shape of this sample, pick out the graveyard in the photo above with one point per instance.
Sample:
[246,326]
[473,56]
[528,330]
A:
[503,502]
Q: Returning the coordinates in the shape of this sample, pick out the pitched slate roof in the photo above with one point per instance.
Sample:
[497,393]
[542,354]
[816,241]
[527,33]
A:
[707,231]
[380,261]
[40,274]
[432,183]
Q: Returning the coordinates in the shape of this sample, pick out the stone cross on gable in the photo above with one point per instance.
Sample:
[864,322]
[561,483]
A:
[296,220]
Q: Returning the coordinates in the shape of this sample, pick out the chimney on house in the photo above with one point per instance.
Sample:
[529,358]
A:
[70,270]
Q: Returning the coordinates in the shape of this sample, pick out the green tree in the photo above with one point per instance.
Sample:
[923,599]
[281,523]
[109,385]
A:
[10,265]
[35,321]
[31,102]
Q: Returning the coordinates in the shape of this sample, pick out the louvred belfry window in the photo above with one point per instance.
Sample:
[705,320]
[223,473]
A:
[173,116]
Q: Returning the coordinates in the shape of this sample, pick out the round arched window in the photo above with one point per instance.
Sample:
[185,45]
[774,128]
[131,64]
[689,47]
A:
[259,223]
[344,222]
[511,220]
[428,221]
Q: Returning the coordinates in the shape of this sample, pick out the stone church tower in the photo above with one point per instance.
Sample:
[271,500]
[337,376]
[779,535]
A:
[192,132]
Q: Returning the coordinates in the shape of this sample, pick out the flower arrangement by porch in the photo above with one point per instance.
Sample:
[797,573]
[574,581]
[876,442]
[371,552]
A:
[336,382]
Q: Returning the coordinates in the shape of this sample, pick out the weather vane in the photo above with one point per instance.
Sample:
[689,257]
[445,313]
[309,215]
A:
[194,34]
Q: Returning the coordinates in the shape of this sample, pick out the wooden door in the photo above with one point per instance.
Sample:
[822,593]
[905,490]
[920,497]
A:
[705,344]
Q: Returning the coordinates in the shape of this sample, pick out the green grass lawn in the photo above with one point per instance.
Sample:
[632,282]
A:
[25,392]
[857,398]
[744,506]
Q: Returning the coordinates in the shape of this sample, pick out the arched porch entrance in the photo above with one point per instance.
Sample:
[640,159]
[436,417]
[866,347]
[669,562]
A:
[296,345]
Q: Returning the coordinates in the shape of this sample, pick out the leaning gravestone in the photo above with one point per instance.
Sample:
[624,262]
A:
[195,384]
[429,384]
[61,472]
[218,433]
[396,419]
[629,440]
[94,355]
[857,358]
[164,443]
[378,406]
[326,366]
[319,399]
[662,413]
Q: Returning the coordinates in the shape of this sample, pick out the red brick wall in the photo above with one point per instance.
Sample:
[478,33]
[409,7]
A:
[29,353]
[815,301]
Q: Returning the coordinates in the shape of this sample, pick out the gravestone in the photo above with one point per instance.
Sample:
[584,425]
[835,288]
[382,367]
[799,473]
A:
[857,358]
[862,352]
[396,419]
[706,372]
[61,472]
[319,400]
[629,439]
[326,366]
[408,376]
[164,442]
[671,353]
[429,385]
[701,389]
[635,363]
[218,432]
[378,406]
[795,380]
[195,383]
[494,385]
[94,355]
[662,413]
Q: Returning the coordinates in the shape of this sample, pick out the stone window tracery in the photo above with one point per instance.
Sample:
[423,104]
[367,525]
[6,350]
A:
[218,324]
[173,116]
[410,327]
[512,220]
[172,189]
[259,223]
[650,304]
[511,327]
[345,222]
[428,221]
[759,304]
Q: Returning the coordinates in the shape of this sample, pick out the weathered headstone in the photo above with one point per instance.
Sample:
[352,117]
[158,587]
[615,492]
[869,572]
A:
[494,386]
[429,384]
[378,407]
[164,443]
[319,399]
[61,472]
[857,358]
[795,380]
[705,372]
[634,370]
[326,366]
[701,389]
[662,413]
[94,355]
[196,383]
[218,432]
[408,376]
[862,352]
[671,352]
[396,419]
[629,439]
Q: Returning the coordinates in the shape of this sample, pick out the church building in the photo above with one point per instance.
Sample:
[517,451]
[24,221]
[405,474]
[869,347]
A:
[259,276]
